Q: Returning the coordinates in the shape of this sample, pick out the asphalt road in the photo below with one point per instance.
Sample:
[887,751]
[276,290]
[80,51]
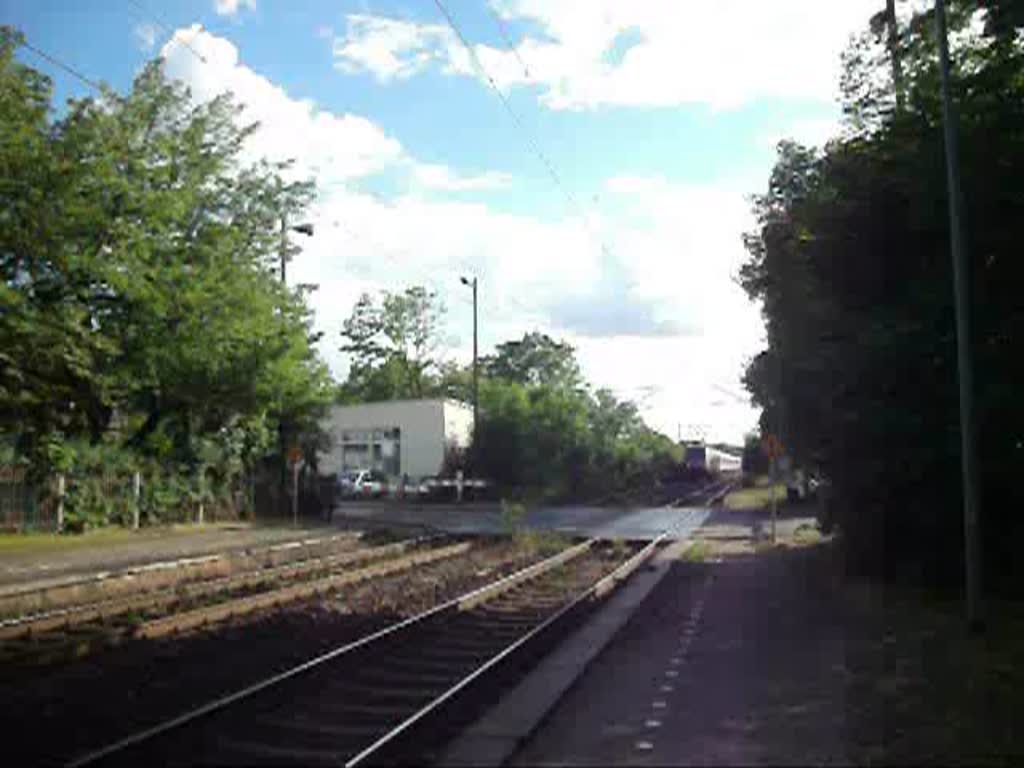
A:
[606,522]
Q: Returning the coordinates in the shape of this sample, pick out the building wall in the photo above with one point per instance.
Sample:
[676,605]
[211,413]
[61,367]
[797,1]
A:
[424,427]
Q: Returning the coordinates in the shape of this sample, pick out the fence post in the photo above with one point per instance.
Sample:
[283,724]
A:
[60,502]
[137,498]
[200,513]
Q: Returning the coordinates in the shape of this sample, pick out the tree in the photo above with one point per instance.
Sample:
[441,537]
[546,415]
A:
[851,261]
[534,359]
[141,305]
[543,432]
[393,345]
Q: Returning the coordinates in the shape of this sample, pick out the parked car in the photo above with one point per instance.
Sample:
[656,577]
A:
[362,483]
[445,489]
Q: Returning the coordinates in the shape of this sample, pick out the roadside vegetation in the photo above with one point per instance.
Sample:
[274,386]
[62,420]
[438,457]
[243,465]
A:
[697,552]
[759,497]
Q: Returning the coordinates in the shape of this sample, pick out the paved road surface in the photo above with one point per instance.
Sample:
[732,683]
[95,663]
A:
[641,524]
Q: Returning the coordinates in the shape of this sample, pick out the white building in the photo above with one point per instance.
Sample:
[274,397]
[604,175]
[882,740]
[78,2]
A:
[397,437]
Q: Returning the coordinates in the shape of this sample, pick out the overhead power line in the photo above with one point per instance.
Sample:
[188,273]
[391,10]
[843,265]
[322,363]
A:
[503,32]
[534,146]
[158,20]
[527,136]
[66,67]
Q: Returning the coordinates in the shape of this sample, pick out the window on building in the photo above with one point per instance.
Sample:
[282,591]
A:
[377,449]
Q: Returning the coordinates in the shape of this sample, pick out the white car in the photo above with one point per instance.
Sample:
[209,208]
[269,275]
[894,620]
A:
[362,483]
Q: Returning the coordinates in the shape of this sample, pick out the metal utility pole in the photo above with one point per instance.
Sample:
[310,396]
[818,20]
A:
[895,55]
[962,298]
[305,229]
[284,249]
[476,367]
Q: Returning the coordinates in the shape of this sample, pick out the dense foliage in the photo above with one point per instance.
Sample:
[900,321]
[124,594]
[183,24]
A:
[142,325]
[543,431]
[393,346]
[851,259]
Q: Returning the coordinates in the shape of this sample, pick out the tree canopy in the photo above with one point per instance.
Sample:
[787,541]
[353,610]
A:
[851,262]
[393,345]
[141,307]
[534,359]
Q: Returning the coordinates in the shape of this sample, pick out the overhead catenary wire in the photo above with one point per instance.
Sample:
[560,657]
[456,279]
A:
[534,146]
[65,67]
[158,20]
[503,33]
[531,142]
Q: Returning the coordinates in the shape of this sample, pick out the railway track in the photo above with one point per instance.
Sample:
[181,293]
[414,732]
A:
[708,494]
[163,574]
[76,630]
[393,695]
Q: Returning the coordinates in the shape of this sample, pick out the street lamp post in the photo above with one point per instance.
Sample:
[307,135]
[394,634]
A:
[304,229]
[476,368]
[962,295]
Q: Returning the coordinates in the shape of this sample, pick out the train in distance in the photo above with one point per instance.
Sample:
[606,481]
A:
[701,457]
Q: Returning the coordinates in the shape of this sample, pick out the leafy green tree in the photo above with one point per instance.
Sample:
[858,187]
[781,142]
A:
[851,261]
[542,432]
[535,359]
[393,345]
[141,306]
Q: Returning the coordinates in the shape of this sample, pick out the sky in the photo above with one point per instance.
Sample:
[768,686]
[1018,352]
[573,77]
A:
[591,162]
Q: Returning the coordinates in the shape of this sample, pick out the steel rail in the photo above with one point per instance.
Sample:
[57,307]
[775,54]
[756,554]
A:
[61,593]
[601,587]
[100,610]
[246,693]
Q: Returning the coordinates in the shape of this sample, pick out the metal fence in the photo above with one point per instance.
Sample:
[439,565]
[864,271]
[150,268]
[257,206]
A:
[33,506]
[25,505]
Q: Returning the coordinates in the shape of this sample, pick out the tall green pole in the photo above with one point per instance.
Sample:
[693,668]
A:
[962,295]
[476,379]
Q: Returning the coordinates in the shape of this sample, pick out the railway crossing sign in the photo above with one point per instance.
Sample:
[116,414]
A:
[772,446]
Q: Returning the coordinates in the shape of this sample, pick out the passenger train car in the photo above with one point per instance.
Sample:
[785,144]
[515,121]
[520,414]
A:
[700,457]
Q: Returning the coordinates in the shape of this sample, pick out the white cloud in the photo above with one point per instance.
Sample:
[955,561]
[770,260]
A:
[640,53]
[335,148]
[391,48]
[441,177]
[660,307]
[657,305]
[145,36]
[230,7]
